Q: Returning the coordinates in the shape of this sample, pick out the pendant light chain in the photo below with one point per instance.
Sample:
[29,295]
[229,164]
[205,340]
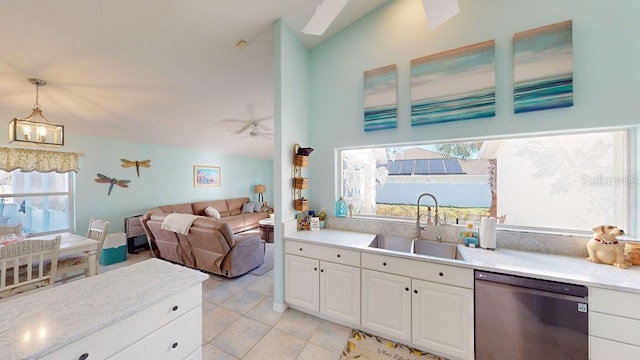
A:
[37,105]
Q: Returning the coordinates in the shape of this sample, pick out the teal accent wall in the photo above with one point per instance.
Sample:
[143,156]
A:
[291,109]
[169,180]
[605,74]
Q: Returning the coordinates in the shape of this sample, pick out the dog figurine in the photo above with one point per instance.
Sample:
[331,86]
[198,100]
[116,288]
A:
[604,248]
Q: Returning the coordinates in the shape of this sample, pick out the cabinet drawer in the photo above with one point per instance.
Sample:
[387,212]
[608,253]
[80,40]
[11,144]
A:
[614,302]
[176,340]
[327,253]
[602,349]
[444,274]
[131,329]
[614,327]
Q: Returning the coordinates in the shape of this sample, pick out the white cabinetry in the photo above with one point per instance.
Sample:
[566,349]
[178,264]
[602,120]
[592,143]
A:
[170,329]
[427,305]
[324,281]
[614,324]
[386,304]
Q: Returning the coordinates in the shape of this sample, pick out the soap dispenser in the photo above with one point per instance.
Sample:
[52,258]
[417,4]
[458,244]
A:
[341,207]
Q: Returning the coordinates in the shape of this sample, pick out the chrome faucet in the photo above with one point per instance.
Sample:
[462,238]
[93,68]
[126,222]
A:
[435,222]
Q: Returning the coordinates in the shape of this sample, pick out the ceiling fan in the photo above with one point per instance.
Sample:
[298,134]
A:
[438,11]
[256,131]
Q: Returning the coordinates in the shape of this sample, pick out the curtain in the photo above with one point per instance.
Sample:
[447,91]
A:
[39,160]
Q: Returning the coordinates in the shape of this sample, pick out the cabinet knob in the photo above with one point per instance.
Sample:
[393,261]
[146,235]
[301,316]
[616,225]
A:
[441,274]
[174,345]
[321,270]
[415,291]
[338,255]
[175,308]
[384,264]
[315,269]
[84,356]
[300,249]
[406,289]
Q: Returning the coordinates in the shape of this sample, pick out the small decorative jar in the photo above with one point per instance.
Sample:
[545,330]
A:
[341,207]
[633,251]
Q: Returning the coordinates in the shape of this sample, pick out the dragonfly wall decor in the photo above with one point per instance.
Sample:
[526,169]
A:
[103,179]
[128,163]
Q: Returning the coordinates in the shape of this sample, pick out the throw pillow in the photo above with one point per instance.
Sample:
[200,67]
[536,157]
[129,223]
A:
[258,207]
[247,208]
[210,211]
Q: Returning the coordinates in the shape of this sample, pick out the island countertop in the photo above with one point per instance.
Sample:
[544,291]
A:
[568,269]
[34,325]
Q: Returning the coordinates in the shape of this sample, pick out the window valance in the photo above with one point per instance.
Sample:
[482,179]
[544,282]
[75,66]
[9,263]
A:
[39,160]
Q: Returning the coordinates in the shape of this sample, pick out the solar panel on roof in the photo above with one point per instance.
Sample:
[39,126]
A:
[422,167]
[436,166]
[394,167]
[452,166]
[407,167]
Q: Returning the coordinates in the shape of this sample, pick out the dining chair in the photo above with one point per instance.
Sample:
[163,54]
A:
[22,266]
[72,266]
[10,229]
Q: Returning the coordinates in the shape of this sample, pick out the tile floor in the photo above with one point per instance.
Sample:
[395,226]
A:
[238,322]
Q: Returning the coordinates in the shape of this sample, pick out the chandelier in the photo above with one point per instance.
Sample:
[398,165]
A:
[35,128]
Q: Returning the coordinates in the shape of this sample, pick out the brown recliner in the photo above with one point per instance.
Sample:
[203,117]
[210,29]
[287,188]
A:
[210,245]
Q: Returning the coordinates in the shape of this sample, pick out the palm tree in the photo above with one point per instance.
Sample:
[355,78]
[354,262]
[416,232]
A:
[467,151]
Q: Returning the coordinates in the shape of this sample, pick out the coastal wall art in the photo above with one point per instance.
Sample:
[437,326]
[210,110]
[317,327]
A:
[454,85]
[206,175]
[380,98]
[543,68]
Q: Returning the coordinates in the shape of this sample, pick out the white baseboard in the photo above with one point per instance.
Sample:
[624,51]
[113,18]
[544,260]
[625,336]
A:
[279,307]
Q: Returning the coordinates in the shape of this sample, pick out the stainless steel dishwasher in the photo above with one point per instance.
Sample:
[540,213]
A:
[524,318]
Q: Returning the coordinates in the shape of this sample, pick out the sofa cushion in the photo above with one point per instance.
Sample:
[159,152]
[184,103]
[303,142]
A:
[248,208]
[220,205]
[235,205]
[258,207]
[211,211]
[178,208]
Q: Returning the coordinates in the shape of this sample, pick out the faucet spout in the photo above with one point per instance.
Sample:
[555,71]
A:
[435,222]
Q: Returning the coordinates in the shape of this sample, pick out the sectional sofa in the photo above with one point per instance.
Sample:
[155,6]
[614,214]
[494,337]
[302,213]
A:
[215,244]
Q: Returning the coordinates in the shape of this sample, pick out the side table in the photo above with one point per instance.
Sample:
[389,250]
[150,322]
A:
[266,229]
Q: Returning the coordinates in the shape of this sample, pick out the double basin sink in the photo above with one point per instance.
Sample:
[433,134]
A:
[417,246]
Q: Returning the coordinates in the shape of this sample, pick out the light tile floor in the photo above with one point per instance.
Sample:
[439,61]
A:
[238,322]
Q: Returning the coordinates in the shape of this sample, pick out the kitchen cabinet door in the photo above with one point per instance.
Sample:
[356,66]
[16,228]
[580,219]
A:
[443,319]
[340,292]
[386,304]
[302,282]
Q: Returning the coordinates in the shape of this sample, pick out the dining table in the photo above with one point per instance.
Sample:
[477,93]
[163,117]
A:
[74,244]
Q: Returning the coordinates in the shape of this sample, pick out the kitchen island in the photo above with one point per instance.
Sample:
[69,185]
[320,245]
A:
[114,315]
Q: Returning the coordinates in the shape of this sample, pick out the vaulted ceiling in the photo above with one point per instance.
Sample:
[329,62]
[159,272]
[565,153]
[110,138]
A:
[161,72]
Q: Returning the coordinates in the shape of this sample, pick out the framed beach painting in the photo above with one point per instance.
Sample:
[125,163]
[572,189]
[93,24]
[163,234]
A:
[380,98]
[206,175]
[458,84]
[543,68]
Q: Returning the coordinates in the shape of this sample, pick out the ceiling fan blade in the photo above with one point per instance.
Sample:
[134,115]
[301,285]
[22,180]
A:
[265,135]
[326,12]
[256,121]
[244,128]
[237,121]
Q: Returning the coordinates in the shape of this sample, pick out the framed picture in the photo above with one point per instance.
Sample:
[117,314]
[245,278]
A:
[380,109]
[206,176]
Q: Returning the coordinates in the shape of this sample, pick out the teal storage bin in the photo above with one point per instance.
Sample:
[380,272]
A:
[114,249]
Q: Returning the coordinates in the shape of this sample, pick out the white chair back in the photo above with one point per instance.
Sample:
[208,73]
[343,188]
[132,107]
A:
[98,231]
[22,265]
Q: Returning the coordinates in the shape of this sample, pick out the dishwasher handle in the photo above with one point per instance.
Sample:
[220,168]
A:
[573,290]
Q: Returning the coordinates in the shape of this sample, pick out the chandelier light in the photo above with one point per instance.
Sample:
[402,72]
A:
[35,128]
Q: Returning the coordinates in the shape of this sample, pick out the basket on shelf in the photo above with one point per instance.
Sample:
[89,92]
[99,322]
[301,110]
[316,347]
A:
[301,161]
[300,183]
[301,204]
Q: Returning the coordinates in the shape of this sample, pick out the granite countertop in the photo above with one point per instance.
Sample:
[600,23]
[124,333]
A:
[568,269]
[39,323]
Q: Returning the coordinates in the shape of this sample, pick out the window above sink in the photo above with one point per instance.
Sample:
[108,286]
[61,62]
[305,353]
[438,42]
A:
[558,182]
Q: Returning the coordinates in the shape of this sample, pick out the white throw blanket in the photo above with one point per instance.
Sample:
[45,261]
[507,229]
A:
[180,223]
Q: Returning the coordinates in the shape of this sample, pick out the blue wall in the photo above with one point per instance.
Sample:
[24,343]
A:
[169,180]
[605,74]
[459,195]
